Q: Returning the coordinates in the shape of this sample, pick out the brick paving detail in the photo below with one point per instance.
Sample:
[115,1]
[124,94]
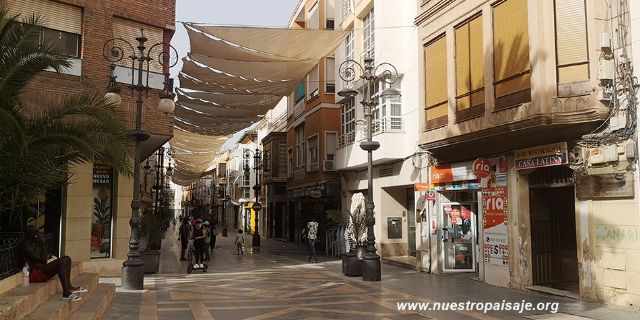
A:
[278,283]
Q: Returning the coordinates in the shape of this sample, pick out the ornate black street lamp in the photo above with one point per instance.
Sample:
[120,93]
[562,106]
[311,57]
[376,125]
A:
[257,206]
[385,73]
[114,51]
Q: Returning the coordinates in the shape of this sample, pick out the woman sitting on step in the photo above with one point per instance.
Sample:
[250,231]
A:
[33,251]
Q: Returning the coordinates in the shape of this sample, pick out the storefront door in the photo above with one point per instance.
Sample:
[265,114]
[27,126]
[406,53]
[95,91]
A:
[458,236]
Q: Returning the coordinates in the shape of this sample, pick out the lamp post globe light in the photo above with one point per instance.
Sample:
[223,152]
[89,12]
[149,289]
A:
[257,206]
[141,56]
[369,74]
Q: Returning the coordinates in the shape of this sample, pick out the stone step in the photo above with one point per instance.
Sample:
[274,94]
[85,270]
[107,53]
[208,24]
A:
[55,308]
[16,303]
[96,304]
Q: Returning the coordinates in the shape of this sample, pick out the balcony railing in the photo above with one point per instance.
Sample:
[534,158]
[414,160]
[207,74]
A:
[346,139]
[388,124]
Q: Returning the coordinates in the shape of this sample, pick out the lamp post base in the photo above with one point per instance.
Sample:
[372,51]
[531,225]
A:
[371,268]
[133,277]
[255,240]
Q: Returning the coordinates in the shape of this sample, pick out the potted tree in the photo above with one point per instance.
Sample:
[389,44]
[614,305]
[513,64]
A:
[152,229]
[352,261]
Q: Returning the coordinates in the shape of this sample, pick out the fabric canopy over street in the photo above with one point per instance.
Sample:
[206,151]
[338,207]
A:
[231,78]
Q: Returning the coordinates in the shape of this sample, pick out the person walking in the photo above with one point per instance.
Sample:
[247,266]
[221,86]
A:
[207,241]
[183,237]
[312,235]
[199,236]
[239,242]
[212,244]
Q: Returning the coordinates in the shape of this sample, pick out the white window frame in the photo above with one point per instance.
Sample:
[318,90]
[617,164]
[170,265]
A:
[329,75]
[347,122]
[311,165]
[368,34]
[313,83]
[387,113]
[246,192]
[347,7]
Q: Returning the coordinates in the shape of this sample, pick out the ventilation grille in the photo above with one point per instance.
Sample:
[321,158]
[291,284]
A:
[386,172]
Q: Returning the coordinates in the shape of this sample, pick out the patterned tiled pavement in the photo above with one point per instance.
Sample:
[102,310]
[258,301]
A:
[278,283]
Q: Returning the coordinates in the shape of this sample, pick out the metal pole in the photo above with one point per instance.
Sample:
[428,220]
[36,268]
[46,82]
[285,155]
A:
[255,241]
[132,268]
[371,270]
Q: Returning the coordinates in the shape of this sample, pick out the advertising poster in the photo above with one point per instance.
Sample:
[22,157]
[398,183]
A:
[496,244]
[102,218]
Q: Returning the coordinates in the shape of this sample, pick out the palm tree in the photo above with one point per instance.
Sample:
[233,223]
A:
[37,147]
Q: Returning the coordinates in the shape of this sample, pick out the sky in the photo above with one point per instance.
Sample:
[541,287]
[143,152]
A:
[268,13]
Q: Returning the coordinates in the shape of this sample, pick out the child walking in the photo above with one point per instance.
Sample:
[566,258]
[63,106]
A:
[239,242]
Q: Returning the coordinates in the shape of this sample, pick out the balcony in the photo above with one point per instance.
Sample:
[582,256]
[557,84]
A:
[387,124]
[346,139]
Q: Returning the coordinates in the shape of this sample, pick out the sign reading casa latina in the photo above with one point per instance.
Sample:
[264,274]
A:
[542,156]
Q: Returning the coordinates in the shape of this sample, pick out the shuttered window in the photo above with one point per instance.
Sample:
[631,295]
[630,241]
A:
[129,31]
[511,53]
[571,41]
[436,83]
[54,15]
[469,70]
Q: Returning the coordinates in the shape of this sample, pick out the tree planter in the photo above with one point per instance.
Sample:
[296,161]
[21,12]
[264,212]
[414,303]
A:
[352,262]
[151,260]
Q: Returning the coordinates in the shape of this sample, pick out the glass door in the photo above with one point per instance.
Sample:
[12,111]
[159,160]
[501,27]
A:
[458,238]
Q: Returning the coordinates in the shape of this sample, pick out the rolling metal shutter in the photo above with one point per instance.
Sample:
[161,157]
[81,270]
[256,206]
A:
[436,83]
[54,15]
[129,31]
[571,41]
[469,64]
[511,47]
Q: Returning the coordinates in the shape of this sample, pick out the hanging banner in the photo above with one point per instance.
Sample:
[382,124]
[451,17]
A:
[102,218]
[496,243]
[452,172]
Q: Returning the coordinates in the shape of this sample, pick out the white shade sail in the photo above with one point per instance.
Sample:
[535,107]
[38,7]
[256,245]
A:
[231,78]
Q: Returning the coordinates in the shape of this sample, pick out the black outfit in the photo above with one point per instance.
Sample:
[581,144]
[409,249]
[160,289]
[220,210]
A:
[184,238]
[212,244]
[33,251]
[198,244]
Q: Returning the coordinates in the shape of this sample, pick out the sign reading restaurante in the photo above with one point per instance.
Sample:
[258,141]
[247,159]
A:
[542,156]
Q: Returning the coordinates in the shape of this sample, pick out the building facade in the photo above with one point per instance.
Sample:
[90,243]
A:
[377,29]
[80,28]
[533,146]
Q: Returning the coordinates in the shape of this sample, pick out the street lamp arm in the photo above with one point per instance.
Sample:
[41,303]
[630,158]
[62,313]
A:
[347,70]
[167,57]
[115,48]
[386,72]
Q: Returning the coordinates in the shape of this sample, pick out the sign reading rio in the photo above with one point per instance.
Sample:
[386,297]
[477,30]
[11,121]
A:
[481,168]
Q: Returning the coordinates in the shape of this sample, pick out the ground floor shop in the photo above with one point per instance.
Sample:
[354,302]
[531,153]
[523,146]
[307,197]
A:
[526,220]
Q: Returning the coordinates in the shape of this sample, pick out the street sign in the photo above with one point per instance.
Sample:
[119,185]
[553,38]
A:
[431,195]
[482,168]
[257,207]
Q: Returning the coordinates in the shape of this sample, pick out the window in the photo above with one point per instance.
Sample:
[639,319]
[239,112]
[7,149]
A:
[299,95]
[469,70]
[313,80]
[572,52]
[436,83]
[62,23]
[330,75]
[313,17]
[300,146]
[246,192]
[387,113]
[511,54]
[348,46]
[348,123]
[312,142]
[347,7]
[130,30]
[330,145]
[368,34]
[282,159]
[290,163]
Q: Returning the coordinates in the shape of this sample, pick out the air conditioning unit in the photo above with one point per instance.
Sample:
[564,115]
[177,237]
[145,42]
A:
[329,165]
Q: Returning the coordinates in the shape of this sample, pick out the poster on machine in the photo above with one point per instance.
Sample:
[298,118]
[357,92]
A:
[496,244]
[102,218]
